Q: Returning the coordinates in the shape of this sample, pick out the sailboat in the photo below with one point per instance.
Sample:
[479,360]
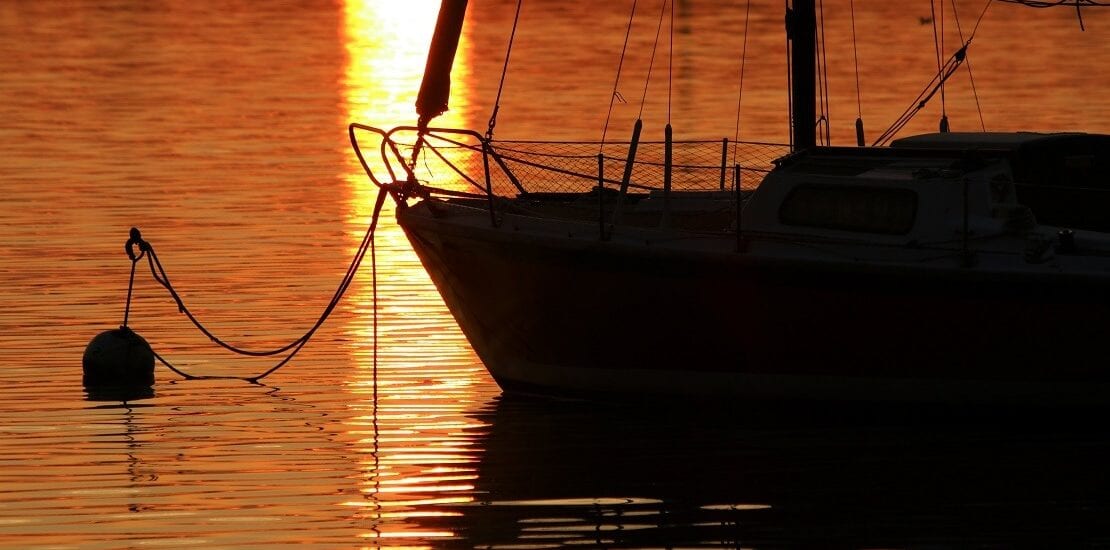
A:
[946,267]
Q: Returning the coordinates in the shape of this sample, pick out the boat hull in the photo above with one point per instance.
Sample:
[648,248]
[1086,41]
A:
[562,312]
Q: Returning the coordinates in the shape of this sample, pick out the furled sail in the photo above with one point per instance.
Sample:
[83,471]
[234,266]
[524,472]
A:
[435,89]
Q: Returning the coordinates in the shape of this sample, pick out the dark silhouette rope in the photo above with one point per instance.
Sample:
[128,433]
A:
[616,95]
[159,274]
[946,71]
[970,75]
[504,72]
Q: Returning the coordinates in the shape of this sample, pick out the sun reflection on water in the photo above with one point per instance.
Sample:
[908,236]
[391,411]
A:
[411,426]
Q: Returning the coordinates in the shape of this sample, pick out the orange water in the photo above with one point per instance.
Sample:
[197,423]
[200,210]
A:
[219,129]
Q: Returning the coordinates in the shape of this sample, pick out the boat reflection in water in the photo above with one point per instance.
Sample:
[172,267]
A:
[556,473]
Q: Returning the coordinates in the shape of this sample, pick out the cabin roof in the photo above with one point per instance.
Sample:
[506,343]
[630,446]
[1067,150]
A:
[1071,158]
[998,140]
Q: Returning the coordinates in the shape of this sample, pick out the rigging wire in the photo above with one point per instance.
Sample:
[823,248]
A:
[970,74]
[1051,4]
[860,142]
[943,102]
[938,45]
[855,57]
[936,84]
[504,71]
[947,70]
[740,93]
[975,29]
[651,60]
[615,95]
[823,73]
[1028,3]
[670,65]
[789,76]
[1077,3]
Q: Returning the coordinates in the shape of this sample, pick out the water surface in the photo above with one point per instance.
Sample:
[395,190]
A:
[219,129]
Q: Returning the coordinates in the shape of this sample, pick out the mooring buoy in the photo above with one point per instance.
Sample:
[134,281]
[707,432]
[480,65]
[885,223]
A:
[118,358]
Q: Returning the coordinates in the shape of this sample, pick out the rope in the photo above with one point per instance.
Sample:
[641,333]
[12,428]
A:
[130,285]
[938,46]
[616,95]
[651,60]
[670,64]
[855,57]
[860,140]
[970,75]
[823,72]
[1052,4]
[504,71]
[923,98]
[1077,3]
[789,78]
[944,72]
[740,92]
[980,19]
[160,276]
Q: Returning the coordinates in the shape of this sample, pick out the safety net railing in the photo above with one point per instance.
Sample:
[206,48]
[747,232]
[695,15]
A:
[463,162]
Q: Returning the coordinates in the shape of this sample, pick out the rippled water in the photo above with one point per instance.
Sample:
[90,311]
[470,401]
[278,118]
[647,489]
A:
[219,129]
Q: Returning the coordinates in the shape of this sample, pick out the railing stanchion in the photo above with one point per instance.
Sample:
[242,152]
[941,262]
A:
[489,184]
[601,196]
[724,161]
[629,164]
[668,168]
[739,209]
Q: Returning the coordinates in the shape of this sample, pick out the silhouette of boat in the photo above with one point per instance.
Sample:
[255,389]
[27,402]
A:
[944,267]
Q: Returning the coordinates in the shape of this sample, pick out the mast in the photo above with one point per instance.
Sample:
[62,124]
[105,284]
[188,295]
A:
[801,31]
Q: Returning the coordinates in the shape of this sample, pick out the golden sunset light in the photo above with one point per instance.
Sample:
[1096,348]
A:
[643,274]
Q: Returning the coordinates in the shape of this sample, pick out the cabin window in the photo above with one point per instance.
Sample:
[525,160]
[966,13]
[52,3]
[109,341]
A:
[850,208]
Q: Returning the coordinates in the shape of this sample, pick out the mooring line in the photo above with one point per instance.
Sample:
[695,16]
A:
[159,274]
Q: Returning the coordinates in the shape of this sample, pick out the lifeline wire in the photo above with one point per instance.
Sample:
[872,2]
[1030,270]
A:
[159,274]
